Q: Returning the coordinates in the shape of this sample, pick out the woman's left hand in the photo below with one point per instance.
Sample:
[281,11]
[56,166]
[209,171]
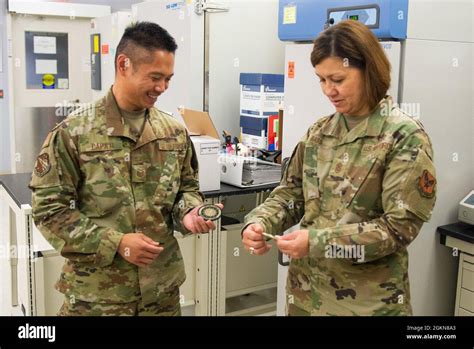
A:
[294,244]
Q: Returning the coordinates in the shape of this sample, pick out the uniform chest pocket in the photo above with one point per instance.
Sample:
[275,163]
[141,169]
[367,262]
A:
[310,174]
[366,186]
[105,185]
[169,160]
[325,158]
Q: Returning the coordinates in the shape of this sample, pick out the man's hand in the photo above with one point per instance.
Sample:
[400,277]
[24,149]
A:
[294,244]
[254,241]
[196,224]
[139,249]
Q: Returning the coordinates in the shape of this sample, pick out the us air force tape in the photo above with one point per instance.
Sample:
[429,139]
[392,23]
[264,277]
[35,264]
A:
[210,212]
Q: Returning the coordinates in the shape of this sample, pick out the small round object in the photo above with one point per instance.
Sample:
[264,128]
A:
[210,212]
[252,250]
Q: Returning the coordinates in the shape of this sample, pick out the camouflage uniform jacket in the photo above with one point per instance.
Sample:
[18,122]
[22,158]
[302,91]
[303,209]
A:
[94,181]
[363,195]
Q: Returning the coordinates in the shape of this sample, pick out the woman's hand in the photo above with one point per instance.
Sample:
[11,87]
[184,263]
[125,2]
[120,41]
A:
[254,241]
[294,244]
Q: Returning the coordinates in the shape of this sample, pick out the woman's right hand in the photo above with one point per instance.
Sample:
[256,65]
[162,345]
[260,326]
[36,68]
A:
[254,241]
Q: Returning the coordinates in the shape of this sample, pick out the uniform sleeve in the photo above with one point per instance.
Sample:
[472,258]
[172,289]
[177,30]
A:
[285,206]
[408,198]
[189,195]
[54,183]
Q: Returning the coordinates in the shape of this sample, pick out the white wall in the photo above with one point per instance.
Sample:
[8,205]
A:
[4,110]
[438,76]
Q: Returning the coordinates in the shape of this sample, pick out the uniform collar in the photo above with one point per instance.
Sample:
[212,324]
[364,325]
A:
[370,127]
[333,127]
[148,134]
[116,126]
[113,118]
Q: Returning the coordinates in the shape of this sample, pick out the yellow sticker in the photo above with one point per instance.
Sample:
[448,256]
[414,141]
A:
[96,43]
[289,14]
[48,81]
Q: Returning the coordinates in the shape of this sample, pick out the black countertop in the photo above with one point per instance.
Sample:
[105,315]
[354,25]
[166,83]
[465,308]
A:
[460,230]
[17,187]
[228,190]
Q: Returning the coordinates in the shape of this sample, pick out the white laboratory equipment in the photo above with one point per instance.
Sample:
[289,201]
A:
[48,62]
[466,208]
[430,47]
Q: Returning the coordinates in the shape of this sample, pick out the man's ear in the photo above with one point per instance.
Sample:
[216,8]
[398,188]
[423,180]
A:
[123,63]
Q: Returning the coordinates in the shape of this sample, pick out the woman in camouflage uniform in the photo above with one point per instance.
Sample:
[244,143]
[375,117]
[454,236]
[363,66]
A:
[361,183]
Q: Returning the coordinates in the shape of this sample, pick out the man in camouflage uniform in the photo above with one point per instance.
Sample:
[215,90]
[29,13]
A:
[360,183]
[111,184]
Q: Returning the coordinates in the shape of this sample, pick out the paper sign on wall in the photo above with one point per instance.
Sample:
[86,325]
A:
[44,45]
[46,66]
[63,84]
[289,14]
[291,70]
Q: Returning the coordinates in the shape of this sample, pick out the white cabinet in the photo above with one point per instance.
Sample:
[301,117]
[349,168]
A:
[465,286]
[246,283]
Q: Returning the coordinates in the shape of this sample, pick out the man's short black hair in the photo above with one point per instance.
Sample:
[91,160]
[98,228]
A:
[145,37]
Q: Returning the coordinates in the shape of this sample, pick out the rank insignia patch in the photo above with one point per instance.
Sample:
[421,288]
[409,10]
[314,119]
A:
[42,165]
[427,184]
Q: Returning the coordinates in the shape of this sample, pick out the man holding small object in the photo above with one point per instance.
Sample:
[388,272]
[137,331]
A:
[112,183]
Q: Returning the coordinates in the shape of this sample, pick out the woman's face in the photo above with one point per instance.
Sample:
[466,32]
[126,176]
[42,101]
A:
[343,85]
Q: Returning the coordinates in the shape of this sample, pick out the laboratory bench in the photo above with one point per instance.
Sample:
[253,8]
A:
[460,237]
[217,264]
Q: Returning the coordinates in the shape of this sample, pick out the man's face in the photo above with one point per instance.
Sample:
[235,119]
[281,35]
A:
[146,81]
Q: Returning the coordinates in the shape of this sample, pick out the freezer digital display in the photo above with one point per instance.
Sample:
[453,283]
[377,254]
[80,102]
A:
[368,15]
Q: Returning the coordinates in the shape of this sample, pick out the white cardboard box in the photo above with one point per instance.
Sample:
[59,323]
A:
[206,144]
[207,151]
[252,141]
[261,94]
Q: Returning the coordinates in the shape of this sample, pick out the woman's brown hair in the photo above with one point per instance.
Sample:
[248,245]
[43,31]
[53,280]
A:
[355,44]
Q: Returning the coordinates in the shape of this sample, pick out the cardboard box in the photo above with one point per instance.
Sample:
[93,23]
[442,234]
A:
[254,123]
[254,141]
[207,146]
[261,94]
[261,127]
